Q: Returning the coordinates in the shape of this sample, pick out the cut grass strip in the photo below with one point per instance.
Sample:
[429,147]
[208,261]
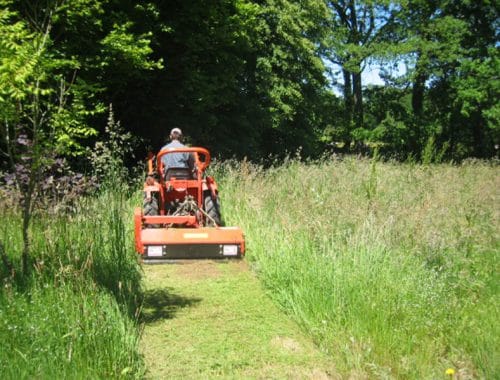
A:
[213,320]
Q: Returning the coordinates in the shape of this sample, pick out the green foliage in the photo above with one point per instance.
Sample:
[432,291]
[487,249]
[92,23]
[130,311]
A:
[241,77]
[249,78]
[449,52]
[54,60]
[477,88]
[110,155]
[18,58]
[71,123]
[287,36]
[34,94]
[122,44]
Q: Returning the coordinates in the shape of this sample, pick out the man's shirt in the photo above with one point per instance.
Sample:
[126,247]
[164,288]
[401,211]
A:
[176,160]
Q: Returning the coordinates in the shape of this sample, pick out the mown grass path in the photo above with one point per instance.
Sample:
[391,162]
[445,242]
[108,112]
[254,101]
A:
[213,320]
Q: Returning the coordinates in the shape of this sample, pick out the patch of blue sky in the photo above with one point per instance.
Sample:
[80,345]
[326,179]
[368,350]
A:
[371,75]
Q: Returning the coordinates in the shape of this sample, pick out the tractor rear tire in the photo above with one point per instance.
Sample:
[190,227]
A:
[151,207]
[212,208]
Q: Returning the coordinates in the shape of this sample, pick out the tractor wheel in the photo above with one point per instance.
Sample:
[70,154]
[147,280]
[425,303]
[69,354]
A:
[151,207]
[212,208]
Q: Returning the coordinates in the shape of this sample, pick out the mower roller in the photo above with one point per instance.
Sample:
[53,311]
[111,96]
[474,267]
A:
[180,217]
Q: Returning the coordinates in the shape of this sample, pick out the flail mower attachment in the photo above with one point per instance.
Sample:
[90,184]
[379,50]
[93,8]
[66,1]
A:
[180,217]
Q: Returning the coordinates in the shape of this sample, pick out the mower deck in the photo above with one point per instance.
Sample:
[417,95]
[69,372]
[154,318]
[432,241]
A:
[163,244]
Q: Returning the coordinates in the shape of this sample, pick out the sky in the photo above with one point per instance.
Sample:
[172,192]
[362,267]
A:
[370,75]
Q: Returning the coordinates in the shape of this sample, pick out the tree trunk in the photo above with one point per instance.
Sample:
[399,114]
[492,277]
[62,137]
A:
[478,136]
[348,99]
[349,108]
[358,99]
[417,100]
[26,238]
[417,103]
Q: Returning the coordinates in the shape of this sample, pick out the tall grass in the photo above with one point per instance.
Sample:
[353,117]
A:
[392,268]
[75,317]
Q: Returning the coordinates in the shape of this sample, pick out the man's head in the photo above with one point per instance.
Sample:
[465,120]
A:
[175,134]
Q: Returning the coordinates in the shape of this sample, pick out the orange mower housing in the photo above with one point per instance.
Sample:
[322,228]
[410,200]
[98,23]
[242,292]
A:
[180,217]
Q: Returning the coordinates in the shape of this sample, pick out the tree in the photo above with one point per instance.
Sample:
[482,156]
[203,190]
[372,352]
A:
[290,77]
[432,46]
[450,49]
[44,108]
[359,31]
[474,127]
[33,97]
[243,76]
[477,88]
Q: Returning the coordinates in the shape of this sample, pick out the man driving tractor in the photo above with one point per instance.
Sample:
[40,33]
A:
[180,217]
[177,160]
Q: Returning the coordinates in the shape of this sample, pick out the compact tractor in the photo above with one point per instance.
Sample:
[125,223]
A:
[180,217]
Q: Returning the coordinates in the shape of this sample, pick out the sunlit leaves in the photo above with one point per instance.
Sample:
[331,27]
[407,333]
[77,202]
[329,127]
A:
[478,88]
[122,44]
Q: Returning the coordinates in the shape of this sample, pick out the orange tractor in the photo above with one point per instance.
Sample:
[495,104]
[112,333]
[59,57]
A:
[180,217]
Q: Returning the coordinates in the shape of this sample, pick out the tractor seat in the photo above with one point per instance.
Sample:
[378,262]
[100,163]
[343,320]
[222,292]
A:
[178,173]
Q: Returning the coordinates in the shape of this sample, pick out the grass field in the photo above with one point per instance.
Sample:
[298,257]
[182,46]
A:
[73,318]
[392,268]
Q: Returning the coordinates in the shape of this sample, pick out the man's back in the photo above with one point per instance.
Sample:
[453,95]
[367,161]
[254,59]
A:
[176,160]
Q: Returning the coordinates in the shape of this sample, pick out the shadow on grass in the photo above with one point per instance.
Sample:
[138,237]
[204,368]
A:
[163,303]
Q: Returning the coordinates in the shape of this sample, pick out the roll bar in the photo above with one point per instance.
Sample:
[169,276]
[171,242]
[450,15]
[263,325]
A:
[200,165]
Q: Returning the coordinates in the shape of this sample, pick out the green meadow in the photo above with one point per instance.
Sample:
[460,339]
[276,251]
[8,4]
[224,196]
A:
[74,316]
[391,269]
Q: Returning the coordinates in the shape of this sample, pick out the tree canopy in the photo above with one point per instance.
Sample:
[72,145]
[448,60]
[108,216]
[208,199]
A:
[253,78]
